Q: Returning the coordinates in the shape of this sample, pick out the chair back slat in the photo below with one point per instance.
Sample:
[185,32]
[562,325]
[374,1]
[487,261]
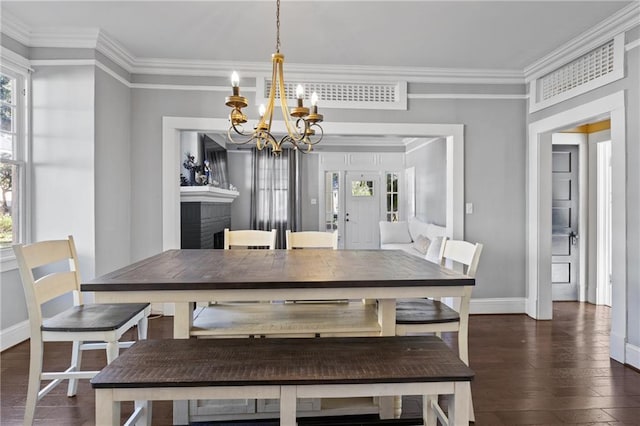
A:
[46,252]
[463,252]
[312,239]
[249,238]
[54,285]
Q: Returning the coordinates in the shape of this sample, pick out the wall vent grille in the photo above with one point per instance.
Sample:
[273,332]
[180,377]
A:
[591,66]
[375,95]
[596,68]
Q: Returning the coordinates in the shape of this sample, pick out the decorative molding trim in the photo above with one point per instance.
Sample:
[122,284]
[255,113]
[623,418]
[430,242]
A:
[467,96]
[501,305]
[632,45]
[62,62]
[617,348]
[14,334]
[113,74]
[14,61]
[619,22]
[207,194]
[15,28]
[114,51]
[186,87]
[632,355]
[81,38]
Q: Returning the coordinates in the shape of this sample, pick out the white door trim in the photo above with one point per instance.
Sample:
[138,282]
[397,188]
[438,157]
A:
[538,275]
[171,127]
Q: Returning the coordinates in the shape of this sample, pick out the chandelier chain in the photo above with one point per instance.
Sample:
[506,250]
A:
[278,26]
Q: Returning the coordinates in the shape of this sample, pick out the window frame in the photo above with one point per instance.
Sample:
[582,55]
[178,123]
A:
[21,157]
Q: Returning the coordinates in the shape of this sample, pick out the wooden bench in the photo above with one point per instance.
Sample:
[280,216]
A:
[285,369]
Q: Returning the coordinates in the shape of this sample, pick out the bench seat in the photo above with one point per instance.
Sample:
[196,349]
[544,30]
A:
[285,369]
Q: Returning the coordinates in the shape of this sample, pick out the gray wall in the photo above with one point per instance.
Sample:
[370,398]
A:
[113,165]
[631,85]
[430,162]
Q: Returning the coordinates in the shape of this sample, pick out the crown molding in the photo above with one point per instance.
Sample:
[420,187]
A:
[618,23]
[115,51]
[15,28]
[12,60]
[80,38]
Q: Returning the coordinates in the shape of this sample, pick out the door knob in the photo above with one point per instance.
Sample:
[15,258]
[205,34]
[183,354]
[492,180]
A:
[573,237]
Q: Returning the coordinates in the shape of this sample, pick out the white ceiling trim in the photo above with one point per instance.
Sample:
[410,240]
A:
[119,54]
[15,28]
[618,23]
[467,96]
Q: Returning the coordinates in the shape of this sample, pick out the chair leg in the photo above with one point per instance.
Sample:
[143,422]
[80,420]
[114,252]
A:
[113,350]
[143,326]
[463,351]
[76,360]
[35,370]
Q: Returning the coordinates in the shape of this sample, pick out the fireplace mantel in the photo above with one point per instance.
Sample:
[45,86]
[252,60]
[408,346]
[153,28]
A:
[206,194]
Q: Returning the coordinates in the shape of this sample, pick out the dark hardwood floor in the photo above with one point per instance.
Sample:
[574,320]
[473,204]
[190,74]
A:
[527,373]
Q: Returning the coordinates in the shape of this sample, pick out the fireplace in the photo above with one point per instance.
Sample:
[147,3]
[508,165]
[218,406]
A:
[204,213]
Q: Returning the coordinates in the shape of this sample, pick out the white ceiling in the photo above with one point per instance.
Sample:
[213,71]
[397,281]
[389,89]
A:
[496,35]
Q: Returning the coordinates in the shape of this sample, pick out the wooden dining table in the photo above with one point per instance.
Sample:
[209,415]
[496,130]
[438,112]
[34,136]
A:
[184,277]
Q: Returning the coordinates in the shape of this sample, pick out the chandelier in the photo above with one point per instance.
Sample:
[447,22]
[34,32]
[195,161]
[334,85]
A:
[301,124]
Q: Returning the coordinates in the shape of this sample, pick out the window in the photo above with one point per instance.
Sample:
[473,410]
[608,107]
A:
[392,197]
[12,158]
[331,200]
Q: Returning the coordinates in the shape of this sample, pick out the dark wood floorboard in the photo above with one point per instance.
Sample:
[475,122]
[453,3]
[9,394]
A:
[527,373]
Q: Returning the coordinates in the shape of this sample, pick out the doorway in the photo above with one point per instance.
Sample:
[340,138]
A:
[539,224]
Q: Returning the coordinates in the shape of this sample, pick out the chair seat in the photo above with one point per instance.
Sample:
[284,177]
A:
[94,317]
[424,311]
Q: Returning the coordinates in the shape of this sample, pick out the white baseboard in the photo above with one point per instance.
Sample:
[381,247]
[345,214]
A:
[617,347]
[13,335]
[502,305]
[632,355]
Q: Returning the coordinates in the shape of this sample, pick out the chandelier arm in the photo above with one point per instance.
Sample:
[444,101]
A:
[292,129]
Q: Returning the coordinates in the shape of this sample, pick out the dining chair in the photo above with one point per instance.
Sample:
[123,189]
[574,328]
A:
[49,269]
[311,239]
[249,239]
[416,316]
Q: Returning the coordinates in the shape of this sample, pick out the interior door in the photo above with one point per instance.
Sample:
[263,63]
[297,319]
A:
[362,210]
[565,248]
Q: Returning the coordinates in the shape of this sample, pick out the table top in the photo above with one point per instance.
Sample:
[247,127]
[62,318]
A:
[273,269]
[281,361]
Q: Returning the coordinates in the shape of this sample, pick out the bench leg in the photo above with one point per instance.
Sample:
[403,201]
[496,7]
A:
[288,401]
[107,410]
[145,412]
[458,410]
[429,416]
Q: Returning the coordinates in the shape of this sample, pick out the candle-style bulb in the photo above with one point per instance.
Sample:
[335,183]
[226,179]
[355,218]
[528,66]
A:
[314,99]
[261,110]
[300,91]
[235,79]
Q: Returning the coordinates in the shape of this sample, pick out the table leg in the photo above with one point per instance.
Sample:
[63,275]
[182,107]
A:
[288,401]
[387,320]
[458,408]
[182,323]
[182,320]
[107,410]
